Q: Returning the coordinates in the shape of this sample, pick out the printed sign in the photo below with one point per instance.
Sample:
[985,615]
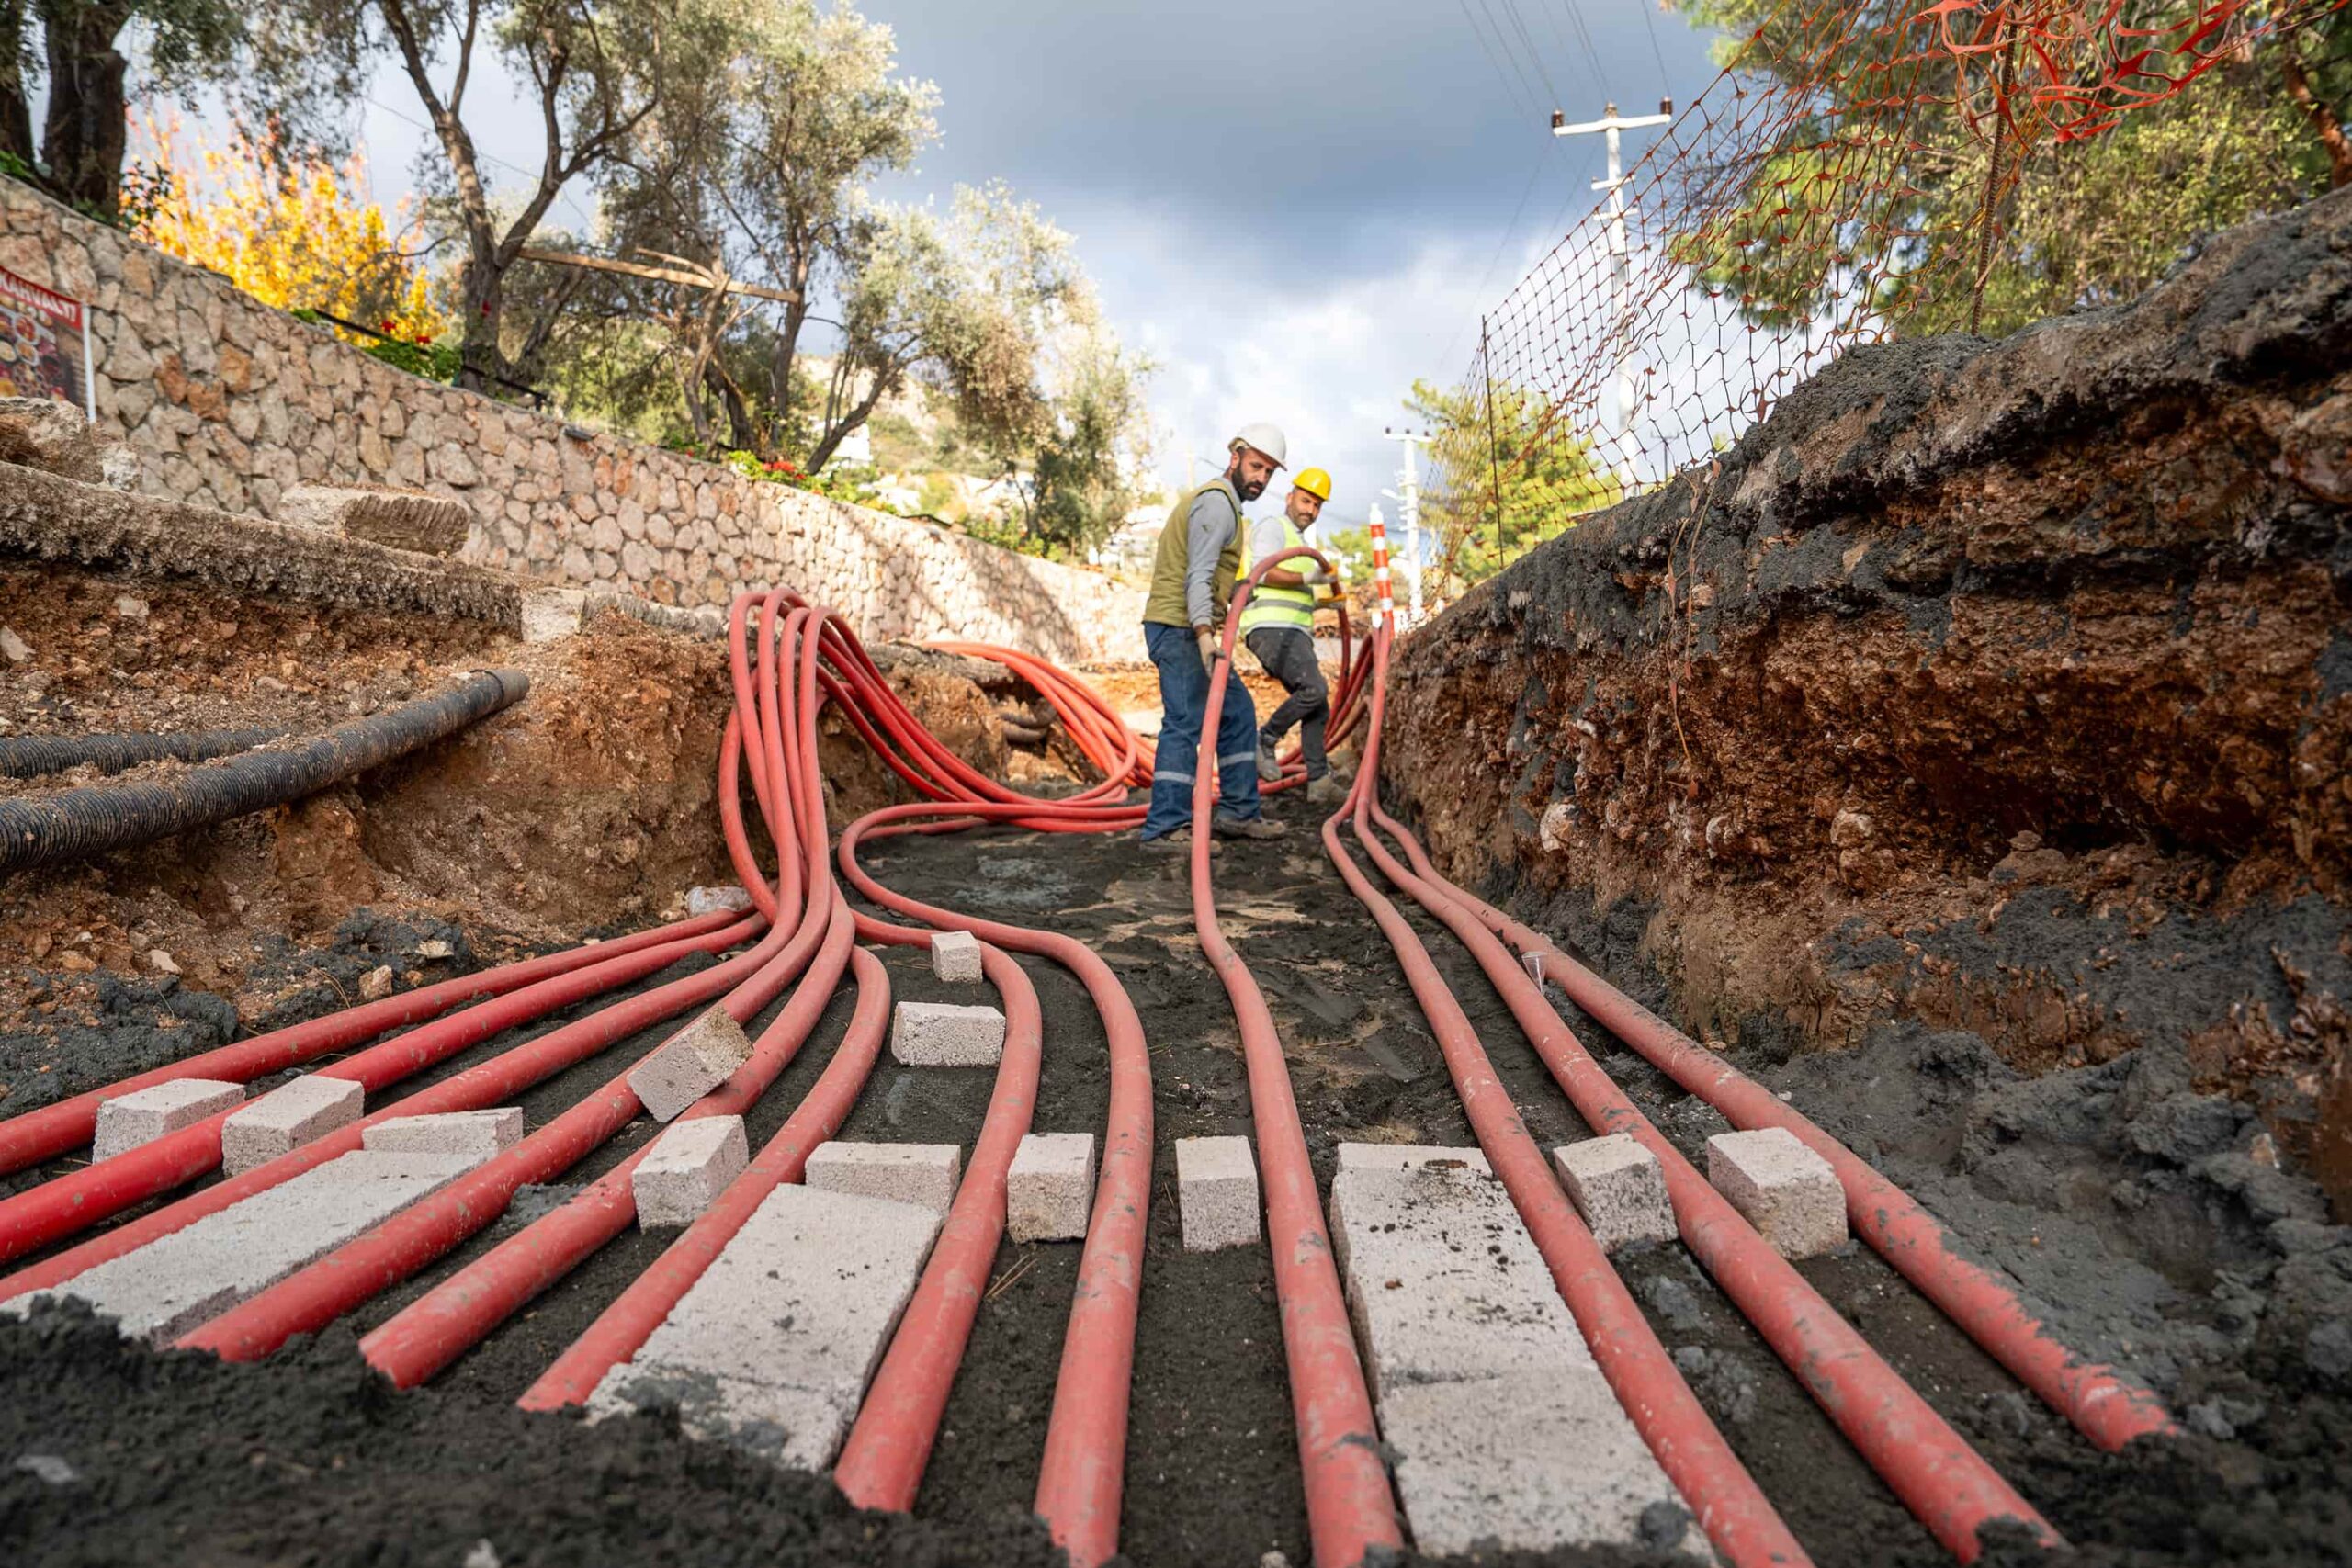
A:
[43,340]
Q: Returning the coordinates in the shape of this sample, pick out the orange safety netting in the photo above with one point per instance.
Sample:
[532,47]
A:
[1842,181]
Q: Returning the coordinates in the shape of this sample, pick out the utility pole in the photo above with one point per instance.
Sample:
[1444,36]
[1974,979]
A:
[1410,501]
[1620,258]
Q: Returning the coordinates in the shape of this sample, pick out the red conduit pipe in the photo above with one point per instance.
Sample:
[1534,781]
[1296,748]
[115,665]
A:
[1083,1474]
[454,1317]
[1945,1482]
[2105,1408]
[81,1199]
[314,1296]
[1349,1509]
[881,1464]
[68,1124]
[1080,1477]
[1732,1509]
[623,1327]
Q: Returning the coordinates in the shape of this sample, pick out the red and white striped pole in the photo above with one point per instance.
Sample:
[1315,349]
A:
[1380,570]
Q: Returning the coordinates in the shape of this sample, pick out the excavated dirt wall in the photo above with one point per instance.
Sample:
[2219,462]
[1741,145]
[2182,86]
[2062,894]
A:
[2003,687]
[591,804]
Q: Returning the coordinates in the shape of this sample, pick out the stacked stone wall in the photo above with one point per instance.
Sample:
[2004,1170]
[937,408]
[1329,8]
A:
[230,403]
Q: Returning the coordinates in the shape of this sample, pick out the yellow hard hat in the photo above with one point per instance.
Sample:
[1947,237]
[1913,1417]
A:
[1315,482]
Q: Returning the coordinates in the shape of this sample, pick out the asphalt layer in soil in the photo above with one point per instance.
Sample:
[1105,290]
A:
[109,1452]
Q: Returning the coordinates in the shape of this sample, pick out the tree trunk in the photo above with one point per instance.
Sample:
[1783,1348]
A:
[16,107]
[87,127]
[485,300]
[2324,118]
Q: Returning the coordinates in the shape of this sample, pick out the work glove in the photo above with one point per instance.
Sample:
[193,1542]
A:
[1207,641]
[1315,574]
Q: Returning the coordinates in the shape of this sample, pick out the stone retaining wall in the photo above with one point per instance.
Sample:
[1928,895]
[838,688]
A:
[229,404]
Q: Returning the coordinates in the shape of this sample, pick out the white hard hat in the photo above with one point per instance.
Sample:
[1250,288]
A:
[1265,438]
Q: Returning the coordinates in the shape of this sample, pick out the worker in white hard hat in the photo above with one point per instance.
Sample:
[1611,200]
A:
[1192,573]
[1279,626]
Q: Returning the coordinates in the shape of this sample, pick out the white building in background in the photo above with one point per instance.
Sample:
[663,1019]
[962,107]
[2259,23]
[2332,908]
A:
[856,448]
[1130,546]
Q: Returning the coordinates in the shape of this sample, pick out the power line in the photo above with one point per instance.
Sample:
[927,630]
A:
[1534,56]
[1510,231]
[1527,96]
[1487,49]
[1656,53]
[1580,52]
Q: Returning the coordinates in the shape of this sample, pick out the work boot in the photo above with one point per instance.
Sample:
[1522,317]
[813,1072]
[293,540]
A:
[1225,827]
[1325,791]
[1269,770]
[1178,840]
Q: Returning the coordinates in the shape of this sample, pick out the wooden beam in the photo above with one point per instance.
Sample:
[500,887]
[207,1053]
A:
[657,274]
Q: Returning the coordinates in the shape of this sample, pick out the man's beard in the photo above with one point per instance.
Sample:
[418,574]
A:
[1250,490]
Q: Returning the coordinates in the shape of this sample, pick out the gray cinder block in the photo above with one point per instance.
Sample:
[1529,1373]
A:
[1789,1193]
[904,1173]
[1049,1190]
[955,955]
[178,1282]
[146,1114]
[552,614]
[946,1034]
[1619,1188]
[475,1135]
[687,1169]
[1529,1463]
[772,1348]
[285,1118]
[690,1063]
[1443,1281]
[1216,1189]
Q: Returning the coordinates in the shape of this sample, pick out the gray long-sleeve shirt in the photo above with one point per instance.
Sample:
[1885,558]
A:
[1208,527]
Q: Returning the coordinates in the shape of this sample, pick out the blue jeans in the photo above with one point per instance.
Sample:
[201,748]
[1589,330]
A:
[1184,702]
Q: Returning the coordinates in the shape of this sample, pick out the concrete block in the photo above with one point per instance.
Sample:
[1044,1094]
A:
[904,1173]
[944,1035]
[146,1114]
[1408,1157]
[955,955]
[1445,1284]
[1530,1462]
[690,1063]
[1217,1188]
[798,1428]
[178,1282]
[1789,1193]
[772,1348]
[1619,1188]
[285,1118]
[552,614]
[702,901]
[475,1135]
[1049,1190]
[405,519]
[687,1169]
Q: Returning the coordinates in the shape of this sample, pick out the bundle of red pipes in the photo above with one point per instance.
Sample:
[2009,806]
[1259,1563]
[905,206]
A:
[789,660]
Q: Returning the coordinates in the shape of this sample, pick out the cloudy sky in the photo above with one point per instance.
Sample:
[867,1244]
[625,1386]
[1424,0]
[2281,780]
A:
[1294,209]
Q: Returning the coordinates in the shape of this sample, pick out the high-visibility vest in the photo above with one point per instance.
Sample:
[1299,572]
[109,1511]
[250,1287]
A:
[1271,606]
[1165,603]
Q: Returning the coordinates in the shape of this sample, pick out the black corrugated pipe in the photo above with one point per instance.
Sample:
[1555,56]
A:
[94,818]
[30,756]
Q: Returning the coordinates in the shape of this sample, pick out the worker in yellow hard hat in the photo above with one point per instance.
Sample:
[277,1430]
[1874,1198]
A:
[1279,626]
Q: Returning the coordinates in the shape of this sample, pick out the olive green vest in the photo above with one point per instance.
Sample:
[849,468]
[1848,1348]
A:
[1165,604]
[1271,606]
